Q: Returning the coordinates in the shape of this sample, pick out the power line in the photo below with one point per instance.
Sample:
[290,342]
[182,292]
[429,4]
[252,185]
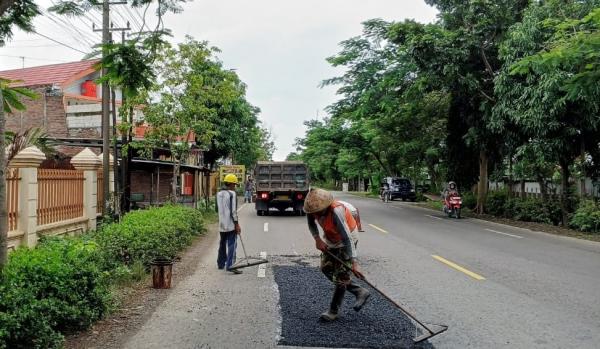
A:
[35,59]
[58,42]
[66,29]
[31,46]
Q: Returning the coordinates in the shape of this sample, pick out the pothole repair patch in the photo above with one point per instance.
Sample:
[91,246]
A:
[305,293]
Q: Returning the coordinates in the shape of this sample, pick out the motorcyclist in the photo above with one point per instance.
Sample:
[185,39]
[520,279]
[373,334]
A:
[451,190]
[384,189]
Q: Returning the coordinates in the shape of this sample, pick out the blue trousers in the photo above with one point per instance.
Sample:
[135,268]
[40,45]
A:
[227,247]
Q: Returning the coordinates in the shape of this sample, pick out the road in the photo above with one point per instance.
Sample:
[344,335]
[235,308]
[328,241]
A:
[494,286]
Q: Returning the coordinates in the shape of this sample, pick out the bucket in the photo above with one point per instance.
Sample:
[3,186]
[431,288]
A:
[162,269]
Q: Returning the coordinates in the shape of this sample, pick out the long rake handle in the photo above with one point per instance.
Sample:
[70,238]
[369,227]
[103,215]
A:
[243,248]
[400,306]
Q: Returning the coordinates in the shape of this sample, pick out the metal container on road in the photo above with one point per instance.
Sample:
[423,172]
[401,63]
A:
[162,270]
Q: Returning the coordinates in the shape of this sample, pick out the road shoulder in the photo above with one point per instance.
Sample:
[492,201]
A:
[139,302]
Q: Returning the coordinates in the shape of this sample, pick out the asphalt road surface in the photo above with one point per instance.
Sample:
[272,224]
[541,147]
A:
[494,286]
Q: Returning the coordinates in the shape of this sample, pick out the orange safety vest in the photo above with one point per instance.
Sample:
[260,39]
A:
[326,222]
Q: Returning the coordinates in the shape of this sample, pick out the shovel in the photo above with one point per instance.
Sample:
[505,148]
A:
[430,329]
[247,261]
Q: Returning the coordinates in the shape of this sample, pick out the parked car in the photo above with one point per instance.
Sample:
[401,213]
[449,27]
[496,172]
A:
[399,188]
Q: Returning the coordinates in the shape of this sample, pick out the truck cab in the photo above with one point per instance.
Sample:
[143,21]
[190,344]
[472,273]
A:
[281,185]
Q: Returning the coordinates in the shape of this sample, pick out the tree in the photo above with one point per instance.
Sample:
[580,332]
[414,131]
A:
[18,13]
[391,117]
[195,96]
[293,156]
[9,101]
[535,94]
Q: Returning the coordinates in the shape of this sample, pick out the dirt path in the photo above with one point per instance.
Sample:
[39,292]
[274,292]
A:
[139,302]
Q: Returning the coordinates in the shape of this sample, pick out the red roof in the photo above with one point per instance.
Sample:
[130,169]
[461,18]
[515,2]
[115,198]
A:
[50,74]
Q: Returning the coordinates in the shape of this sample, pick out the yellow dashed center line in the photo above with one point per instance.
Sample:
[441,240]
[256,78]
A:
[458,267]
[376,227]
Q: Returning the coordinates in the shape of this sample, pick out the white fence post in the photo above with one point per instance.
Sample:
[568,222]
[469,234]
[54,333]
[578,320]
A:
[27,161]
[89,163]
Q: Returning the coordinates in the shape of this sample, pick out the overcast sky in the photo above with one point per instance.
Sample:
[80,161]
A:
[278,47]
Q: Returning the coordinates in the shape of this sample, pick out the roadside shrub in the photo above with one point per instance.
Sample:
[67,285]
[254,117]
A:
[469,200]
[496,201]
[146,234]
[63,284]
[54,288]
[586,217]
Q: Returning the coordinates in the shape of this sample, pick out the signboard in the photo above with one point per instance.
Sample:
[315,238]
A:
[238,170]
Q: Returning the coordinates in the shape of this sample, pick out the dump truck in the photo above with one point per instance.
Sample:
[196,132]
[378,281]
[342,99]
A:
[281,185]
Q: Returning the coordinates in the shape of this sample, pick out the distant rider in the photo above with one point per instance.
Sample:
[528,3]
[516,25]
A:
[451,190]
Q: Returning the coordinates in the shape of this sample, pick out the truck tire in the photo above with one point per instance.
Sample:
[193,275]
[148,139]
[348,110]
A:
[259,212]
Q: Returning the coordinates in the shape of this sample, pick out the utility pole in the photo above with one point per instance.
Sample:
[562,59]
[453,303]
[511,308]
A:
[106,29]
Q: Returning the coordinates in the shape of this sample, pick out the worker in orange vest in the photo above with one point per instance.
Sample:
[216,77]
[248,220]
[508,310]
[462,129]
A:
[337,224]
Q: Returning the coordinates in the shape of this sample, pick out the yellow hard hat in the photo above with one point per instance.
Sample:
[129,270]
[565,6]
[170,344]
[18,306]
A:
[317,200]
[231,178]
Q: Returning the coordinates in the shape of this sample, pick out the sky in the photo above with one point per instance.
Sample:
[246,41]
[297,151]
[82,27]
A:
[277,47]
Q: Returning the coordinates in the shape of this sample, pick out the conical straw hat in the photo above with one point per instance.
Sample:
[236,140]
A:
[317,200]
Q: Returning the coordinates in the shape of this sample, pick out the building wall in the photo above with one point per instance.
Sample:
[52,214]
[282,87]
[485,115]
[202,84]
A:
[141,182]
[47,112]
[74,88]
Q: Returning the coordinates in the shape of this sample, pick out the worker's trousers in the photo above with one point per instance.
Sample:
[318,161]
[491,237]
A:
[227,247]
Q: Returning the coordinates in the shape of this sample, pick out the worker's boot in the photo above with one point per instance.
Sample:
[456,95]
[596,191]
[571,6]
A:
[361,294]
[336,303]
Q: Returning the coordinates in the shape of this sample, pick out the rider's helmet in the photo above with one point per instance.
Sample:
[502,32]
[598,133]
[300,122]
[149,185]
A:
[452,185]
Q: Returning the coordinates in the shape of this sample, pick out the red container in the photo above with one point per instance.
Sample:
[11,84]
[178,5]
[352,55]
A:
[88,89]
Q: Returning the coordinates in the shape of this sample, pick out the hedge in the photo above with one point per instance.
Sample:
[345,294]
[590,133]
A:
[586,217]
[64,285]
[523,209]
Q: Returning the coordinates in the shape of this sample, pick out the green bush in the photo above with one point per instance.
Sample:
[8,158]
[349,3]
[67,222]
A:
[469,200]
[533,210]
[147,234]
[586,217]
[52,289]
[63,285]
[496,201]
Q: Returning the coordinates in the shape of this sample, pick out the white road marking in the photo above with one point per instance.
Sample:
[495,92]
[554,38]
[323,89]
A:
[241,207]
[262,268]
[434,217]
[507,234]
[266,227]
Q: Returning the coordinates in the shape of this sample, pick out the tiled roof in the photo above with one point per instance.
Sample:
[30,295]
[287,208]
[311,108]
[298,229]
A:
[48,74]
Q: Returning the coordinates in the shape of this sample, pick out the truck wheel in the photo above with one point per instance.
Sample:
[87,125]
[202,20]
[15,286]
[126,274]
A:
[259,212]
[458,213]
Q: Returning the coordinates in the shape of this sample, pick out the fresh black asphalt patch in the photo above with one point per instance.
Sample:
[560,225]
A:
[305,293]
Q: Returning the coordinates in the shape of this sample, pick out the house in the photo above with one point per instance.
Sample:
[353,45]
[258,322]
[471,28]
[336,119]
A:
[69,110]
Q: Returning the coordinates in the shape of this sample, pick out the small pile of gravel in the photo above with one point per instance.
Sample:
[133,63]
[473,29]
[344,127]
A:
[305,293]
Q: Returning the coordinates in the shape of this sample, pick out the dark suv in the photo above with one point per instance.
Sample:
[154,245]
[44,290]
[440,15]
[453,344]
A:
[399,188]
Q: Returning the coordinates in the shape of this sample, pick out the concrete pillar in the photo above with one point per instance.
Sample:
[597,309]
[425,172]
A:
[89,163]
[111,173]
[28,161]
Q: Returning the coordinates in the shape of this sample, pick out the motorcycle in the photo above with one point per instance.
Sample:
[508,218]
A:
[452,206]
[385,195]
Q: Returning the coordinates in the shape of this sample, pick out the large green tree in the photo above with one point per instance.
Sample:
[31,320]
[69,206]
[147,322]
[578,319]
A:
[546,95]
[459,54]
